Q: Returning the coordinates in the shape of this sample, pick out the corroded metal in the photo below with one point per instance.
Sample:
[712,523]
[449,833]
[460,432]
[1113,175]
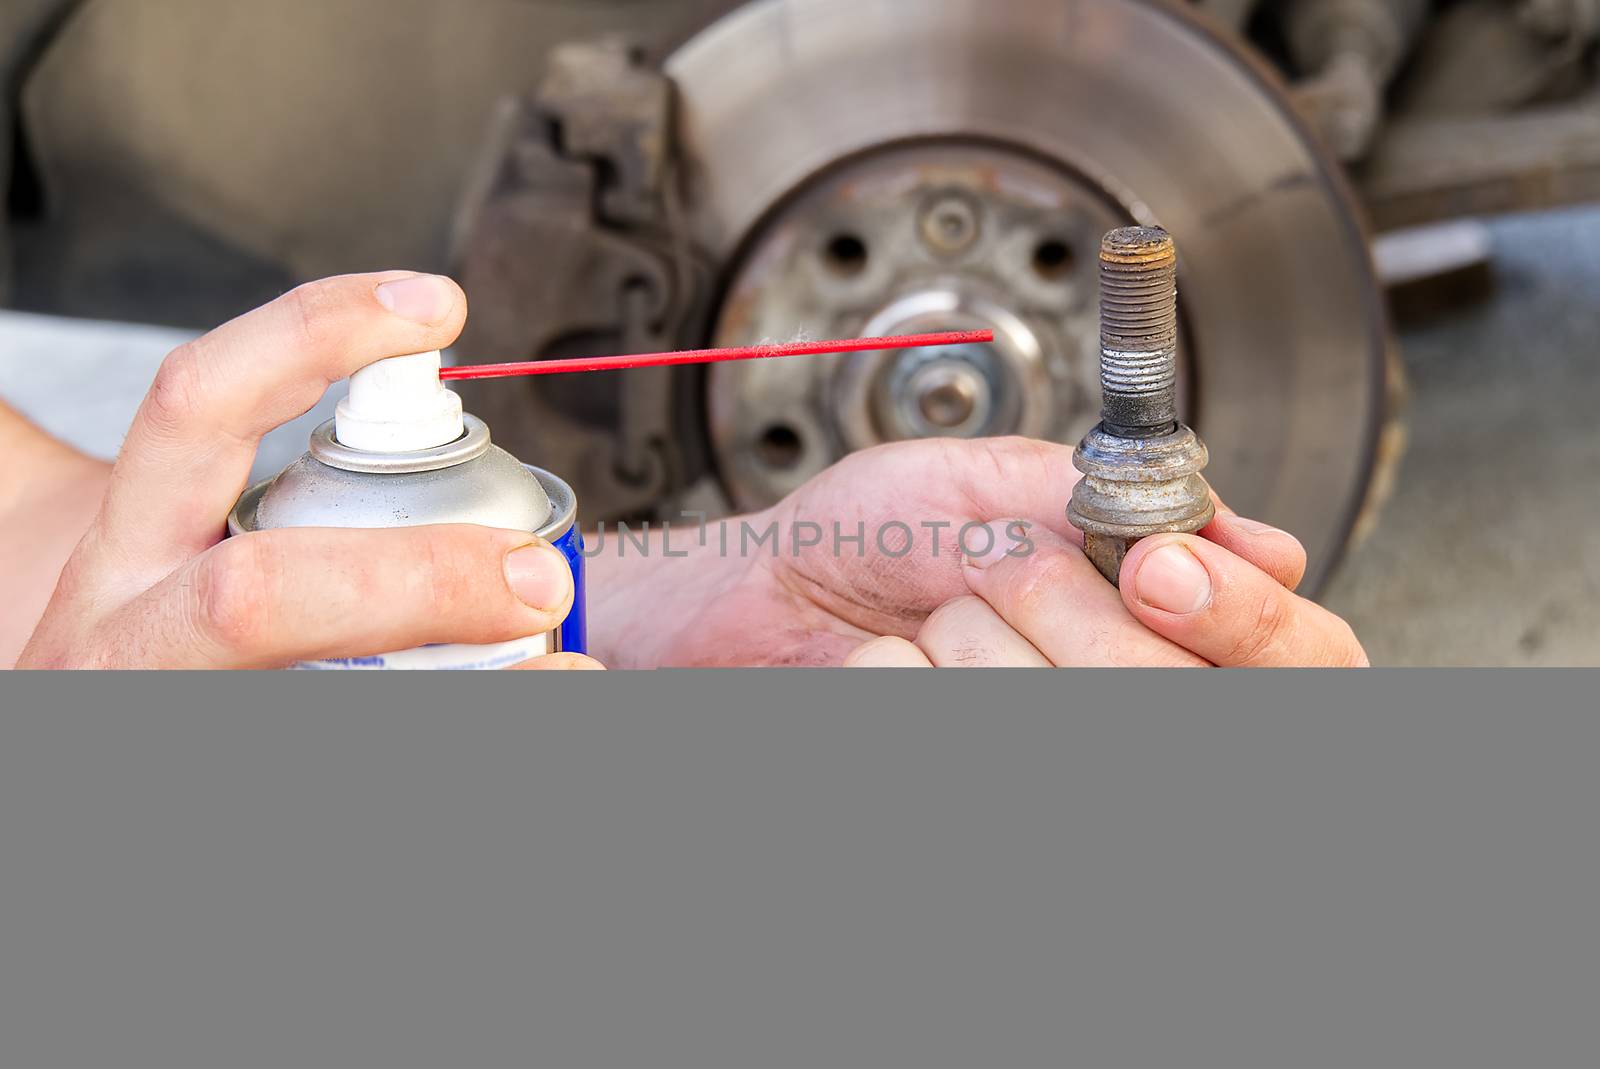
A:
[901,239]
[1138,331]
[583,176]
[1141,466]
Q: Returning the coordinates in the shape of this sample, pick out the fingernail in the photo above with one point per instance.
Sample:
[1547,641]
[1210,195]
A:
[1005,538]
[538,575]
[1171,579]
[420,298]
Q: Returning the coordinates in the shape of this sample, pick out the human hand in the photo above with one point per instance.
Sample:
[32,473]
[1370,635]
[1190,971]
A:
[814,605]
[154,582]
[1222,597]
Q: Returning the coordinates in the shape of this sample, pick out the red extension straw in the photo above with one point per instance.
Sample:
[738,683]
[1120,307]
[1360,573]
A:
[709,356]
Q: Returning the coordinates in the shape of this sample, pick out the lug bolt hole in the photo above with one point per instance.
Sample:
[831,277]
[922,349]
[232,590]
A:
[1053,259]
[950,225]
[779,446]
[846,255]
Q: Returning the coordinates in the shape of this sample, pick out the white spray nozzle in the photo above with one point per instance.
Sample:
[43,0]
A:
[398,405]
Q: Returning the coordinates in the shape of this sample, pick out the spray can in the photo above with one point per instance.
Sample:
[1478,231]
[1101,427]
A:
[400,452]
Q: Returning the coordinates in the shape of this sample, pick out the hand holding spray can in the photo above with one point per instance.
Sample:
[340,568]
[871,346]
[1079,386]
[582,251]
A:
[401,453]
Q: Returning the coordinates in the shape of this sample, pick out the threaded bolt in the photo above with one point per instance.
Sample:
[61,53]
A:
[1138,332]
[1141,467]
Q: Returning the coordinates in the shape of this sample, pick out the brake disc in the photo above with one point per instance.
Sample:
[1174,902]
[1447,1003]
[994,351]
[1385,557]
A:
[868,166]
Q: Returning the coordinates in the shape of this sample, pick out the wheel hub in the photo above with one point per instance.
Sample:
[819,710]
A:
[939,235]
[926,394]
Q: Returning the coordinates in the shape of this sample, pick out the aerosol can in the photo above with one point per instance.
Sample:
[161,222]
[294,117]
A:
[400,452]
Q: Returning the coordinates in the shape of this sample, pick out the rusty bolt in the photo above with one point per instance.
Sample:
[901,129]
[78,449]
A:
[1141,466]
[1138,332]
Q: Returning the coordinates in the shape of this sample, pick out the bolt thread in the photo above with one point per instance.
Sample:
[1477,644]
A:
[1137,373]
[1138,328]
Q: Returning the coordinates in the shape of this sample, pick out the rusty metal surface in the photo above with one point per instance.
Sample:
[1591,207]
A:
[613,108]
[1133,488]
[566,243]
[948,235]
[1138,332]
[1141,467]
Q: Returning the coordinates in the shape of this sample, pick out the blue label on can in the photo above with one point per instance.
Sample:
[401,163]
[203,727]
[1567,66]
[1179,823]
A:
[575,628]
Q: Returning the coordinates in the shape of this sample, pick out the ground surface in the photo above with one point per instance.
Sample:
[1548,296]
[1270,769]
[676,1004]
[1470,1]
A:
[1488,552]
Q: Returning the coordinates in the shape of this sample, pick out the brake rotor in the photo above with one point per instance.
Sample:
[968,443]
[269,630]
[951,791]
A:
[869,166]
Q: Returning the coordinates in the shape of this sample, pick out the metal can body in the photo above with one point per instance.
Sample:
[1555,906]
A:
[573,635]
[468,481]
